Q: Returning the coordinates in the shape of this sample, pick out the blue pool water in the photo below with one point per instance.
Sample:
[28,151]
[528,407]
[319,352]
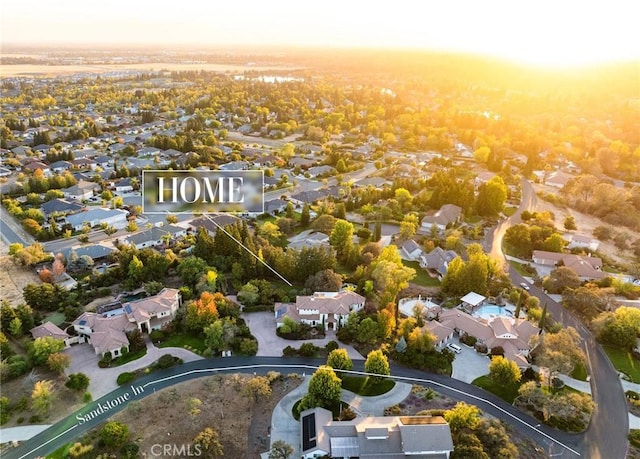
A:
[491,311]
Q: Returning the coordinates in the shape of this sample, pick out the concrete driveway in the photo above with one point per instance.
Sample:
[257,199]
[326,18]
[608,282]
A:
[103,380]
[469,365]
[263,327]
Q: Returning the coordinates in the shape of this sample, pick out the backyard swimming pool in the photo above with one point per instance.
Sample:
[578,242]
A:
[491,312]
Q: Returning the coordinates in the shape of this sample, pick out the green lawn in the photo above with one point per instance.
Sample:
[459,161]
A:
[509,211]
[129,357]
[422,276]
[623,361]
[520,268]
[61,452]
[55,317]
[182,340]
[366,386]
[579,372]
[506,393]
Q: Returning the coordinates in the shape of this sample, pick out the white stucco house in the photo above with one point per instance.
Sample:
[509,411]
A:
[107,332]
[330,309]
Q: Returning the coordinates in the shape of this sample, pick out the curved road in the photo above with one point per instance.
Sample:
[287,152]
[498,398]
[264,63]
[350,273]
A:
[76,424]
[606,437]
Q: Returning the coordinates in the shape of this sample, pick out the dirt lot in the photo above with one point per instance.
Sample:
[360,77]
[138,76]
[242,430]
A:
[13,278]
[585,224]
[242,422]
[65,401]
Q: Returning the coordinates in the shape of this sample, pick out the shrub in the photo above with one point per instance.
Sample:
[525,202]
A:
[634,437]
[157,336]
[289,351]
[308,350]
[129,451]
[497,351]
[78,382]
[347,414]
[248,346]
[331,346]
[5,413]
[632,395]
[167,361]
[468,339]
[481,348]
[86,398]
[126,377]
[80,450]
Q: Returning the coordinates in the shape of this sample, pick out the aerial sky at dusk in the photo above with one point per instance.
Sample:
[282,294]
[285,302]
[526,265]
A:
[541,32]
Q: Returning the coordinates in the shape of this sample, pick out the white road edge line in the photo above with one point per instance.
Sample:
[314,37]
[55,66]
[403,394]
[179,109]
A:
[244,367]
[49,441]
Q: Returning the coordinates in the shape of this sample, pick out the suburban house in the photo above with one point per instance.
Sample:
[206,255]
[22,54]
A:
[391,437]
[52,330]
[557,179]
[124,186]
[275,206]
[311,240]
[447,215]
[578,241]
[221,220]
[329,309]
[437,260]
[81,190]
[60,166]
[587,268]
[155,236]
[511,334]
[95,251]
[411,249]
[107,332]
[38,165]
[94,217]
[61,207]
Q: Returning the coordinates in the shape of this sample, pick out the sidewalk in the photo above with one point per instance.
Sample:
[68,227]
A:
[285,427]
[21,433]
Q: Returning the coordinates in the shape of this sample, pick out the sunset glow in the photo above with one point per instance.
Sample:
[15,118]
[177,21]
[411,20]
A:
[544,32]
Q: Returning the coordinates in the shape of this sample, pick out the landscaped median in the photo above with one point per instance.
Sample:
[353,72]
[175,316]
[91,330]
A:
[165,361]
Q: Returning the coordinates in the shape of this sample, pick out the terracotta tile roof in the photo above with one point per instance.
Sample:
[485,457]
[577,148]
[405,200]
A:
[48,329]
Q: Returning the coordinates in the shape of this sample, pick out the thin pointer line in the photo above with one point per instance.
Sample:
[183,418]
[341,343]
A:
[245,248]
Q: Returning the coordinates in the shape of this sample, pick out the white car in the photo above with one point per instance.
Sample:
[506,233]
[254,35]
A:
[524,285]
[454,348]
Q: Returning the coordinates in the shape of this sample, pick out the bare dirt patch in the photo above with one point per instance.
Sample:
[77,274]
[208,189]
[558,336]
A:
[586,224]
[13,278]
[65,401]
[242,422]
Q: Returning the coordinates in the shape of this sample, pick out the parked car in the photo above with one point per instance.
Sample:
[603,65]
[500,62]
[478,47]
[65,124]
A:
[524,285]
[454,348]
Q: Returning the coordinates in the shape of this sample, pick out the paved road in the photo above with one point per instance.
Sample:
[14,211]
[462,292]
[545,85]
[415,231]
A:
[78,423]
[606,436]
[11,231]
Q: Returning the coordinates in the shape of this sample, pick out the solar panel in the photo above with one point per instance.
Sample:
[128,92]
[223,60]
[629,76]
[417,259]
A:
[280,312]
[83,322]
[127,309]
